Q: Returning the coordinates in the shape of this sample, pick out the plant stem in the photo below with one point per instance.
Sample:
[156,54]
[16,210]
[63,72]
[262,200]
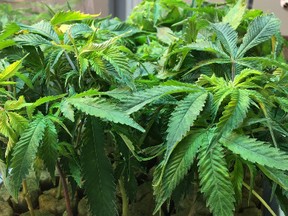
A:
[58,195]
[28,198]
[125,204]
[65,189]
[233,70]
[70,61]
[260,199]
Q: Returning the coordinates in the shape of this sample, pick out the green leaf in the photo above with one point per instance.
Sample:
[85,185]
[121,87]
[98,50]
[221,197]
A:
[43,100]
[246,74]
[67,110]
[215,181]
[9,30]
[25,151]
[182,119]
[260,30]
[32,40]
[218,98]
[259,63]
[207,46]
[256,151]
[6,43]
[209,62]
[234,113]
[227,36]
[48,150]
[43,28]
[99,183]
[166,35]
[25,79]
[17,122]
[283,103]
[104,110]
[237,176]
[10,70]
[278,176]
[235,14]
[139,99]
[15,104]
[176,167]
[63,17]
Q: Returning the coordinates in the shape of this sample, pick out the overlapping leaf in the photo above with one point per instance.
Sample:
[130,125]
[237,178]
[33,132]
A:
[176,167]
[98,177]
[256,151]
[215,181]
[25,151]
[260,30]
[104,110]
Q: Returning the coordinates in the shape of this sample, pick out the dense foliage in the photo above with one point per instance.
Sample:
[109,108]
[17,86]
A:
[194,92]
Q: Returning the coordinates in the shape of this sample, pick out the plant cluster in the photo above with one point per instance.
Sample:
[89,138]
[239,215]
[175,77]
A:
[197,93]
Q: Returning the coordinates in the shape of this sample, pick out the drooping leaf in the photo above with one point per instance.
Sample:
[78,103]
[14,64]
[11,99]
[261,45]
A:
[209,62]
[215,181]
[99,183]
[207,46]
[256,151]
[104,110]
[139,99]
[183,118]
[176,167]
[25,151]
[260,30]
[237,176]
[31,40]
[48,150]
[278,176]
[259,63]
[43,28]
[63,17]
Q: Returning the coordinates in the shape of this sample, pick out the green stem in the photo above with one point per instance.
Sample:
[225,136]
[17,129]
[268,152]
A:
[233,70]
[59,188]
[125,203]
[70,61]
[260,199]
[65,189]
[28,198]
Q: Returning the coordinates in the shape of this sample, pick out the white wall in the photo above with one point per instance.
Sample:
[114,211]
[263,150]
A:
[275,7]
[272,6]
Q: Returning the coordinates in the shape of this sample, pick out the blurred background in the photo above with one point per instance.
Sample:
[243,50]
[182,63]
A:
[121,8]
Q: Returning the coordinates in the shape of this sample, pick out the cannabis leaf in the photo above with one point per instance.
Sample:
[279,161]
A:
[98,177]
[215,181]
[25,151]
[177,166]
[256,151]
[104,110]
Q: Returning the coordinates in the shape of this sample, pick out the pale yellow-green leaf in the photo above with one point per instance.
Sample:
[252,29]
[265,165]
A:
[15,104]
[63,17]
[166,35]
[10,71]
[235,15]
